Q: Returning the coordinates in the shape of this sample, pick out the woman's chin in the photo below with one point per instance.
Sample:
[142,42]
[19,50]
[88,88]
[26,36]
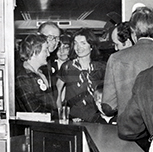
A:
[63,59]
[45,63]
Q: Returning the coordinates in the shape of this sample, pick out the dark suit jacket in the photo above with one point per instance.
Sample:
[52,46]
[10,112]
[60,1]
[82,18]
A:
[138,115]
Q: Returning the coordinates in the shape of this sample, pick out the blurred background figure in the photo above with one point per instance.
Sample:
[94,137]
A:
[135,6]
[61,56]
[63,50]
[121,36]
[98,94]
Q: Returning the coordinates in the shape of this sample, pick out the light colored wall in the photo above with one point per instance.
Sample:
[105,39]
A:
[128,4]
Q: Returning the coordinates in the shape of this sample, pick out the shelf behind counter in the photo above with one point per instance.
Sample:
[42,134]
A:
[100,137]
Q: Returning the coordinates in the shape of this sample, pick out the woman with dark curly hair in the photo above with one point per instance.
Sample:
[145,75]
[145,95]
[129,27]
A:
[81,74]
[121,36]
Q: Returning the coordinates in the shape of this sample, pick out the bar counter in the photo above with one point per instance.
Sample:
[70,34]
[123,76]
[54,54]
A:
[100,137]
[106,139]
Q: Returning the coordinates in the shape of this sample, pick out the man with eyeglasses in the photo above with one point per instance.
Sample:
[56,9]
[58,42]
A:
[52,31]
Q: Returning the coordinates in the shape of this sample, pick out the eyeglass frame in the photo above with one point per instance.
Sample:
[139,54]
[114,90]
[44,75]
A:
[52,37]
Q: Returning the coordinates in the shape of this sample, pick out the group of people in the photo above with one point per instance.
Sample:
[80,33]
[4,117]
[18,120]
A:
[95,92]
[43,84]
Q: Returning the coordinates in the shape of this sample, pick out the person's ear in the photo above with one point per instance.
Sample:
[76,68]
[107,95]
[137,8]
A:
[34,54]
[133,36]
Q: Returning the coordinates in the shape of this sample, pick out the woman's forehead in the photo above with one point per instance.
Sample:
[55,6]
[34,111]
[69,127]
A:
[80,38]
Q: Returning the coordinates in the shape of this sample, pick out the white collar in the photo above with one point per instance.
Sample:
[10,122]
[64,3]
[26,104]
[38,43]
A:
[147,38]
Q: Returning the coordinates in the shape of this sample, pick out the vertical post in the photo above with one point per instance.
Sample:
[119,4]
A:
[9,63]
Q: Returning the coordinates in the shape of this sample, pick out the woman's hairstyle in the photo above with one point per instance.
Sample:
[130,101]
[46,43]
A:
[65,38]
[141,22]
[31,44]
[124,32]
[91,39]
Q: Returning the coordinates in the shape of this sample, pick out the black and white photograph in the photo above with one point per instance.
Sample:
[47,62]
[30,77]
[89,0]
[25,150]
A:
[76,76]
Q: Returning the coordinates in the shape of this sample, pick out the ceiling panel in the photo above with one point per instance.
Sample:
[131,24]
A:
[66,9]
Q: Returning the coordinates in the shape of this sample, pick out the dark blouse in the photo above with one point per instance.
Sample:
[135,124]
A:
[80,85]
